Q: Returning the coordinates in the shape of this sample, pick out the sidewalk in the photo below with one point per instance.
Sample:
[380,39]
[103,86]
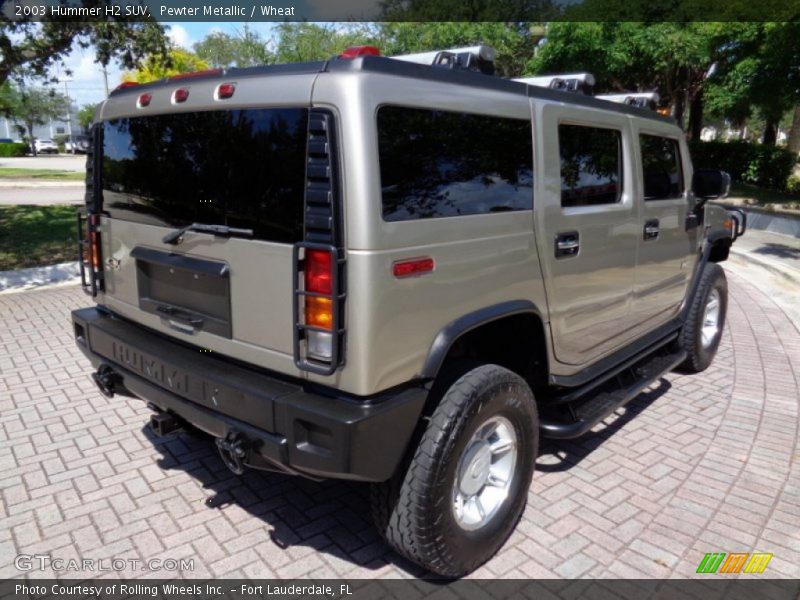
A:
[778,253]
[771,262]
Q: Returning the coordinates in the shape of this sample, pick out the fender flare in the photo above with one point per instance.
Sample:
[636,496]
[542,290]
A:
[448,335]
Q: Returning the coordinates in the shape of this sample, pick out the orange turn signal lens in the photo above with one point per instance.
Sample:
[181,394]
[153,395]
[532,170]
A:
[319,312]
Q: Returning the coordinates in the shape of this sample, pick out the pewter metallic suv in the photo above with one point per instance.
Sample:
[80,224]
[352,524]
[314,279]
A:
[396,273]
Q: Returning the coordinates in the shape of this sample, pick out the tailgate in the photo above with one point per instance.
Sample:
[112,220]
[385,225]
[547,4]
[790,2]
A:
[241,165]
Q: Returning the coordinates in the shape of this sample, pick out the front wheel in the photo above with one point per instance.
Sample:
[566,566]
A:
[702,332]
[466,485]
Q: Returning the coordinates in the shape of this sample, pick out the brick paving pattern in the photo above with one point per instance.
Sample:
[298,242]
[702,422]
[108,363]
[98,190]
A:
[705,463]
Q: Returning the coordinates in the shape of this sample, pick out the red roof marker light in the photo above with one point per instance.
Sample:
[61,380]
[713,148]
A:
[180,95]
[356,51]
[144,100]
[124,85]
[225,90]
[205,73]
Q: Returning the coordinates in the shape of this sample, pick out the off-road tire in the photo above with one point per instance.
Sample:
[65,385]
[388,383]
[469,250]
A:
[413,510]
[690,338]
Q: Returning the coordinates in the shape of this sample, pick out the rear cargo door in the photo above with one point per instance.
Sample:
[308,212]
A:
[240,164]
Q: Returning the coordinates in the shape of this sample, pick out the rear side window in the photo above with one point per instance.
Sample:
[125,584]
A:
[445,164]
[591,165]
[661,166]
[243,168]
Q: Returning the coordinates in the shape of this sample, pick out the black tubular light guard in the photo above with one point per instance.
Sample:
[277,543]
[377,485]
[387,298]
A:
[337,331]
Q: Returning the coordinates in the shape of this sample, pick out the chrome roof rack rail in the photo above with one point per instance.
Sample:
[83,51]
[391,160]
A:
[569,82]
[638,99]
[472,58]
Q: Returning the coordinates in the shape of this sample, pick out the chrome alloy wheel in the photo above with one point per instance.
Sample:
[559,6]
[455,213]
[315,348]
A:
[485,473]
[711,319]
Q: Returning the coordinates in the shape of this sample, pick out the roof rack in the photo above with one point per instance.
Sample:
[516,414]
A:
[638,99]
[472,58]
[569,82]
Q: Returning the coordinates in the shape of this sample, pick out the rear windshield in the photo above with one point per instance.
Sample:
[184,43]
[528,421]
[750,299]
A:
[243,168]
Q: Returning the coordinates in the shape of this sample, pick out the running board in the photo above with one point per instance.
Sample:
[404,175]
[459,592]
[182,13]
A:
[586,413]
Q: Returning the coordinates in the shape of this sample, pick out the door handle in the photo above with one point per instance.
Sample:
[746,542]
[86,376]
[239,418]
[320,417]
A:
[651,229]
[567,244]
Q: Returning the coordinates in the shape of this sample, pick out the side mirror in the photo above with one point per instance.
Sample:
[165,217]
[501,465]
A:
[710,184]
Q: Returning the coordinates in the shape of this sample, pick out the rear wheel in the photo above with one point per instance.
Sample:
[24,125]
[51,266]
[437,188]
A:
[702,332]
[465,486]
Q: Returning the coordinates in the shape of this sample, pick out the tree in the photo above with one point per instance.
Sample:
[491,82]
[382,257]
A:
[35,106]
[514,43]
[155,67]
[245,49]
[86,116]
[302,42]
[29,49]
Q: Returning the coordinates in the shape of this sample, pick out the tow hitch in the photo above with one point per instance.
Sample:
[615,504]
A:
[106,379]
[232,450]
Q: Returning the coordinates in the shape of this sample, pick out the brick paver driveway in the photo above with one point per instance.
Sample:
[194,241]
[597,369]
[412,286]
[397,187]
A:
[707,463]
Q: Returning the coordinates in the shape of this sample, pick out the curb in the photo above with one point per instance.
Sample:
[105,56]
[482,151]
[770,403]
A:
[26,184]
[26,279]
[776,269]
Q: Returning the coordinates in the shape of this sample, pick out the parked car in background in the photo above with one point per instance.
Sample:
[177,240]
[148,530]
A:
[45,147]
[78,145]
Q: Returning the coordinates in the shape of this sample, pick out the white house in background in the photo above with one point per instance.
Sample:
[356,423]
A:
[48,131]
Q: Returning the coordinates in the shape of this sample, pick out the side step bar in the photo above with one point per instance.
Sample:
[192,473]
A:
[586,413]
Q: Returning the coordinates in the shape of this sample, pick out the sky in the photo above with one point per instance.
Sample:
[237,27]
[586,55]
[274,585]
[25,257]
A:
[86,85]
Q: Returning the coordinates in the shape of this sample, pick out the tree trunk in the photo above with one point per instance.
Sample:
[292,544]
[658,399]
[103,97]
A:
[30,127]
[770,132]
[679,107]
[793,142]
[696,115]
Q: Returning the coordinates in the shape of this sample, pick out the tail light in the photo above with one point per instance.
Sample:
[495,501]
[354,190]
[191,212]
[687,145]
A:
[90,253]
[319,304]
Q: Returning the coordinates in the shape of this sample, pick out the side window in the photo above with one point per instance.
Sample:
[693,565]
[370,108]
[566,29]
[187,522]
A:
[661,165]
[591,165]
[444,164]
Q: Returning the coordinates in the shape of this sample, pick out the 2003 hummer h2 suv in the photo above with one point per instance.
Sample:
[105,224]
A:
[379,270]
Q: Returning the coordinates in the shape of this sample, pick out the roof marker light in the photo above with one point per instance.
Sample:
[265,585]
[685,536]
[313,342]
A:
[124,85]
[205,73]
[224,90]
[144,100]
[180,95]
[356,51]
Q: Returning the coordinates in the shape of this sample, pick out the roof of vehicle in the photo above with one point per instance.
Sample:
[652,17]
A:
[398,68]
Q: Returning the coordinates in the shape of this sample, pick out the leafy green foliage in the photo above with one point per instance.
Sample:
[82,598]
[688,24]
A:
[155,67]
[244,49]
[86,115]
[766,166]
[9,150]
[30,49]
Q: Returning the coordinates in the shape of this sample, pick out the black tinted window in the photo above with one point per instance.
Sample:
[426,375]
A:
[445,164]
[591,165]
[661,163]
[243,168]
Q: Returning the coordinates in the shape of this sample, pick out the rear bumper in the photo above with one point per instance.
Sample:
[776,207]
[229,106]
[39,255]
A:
[286,427]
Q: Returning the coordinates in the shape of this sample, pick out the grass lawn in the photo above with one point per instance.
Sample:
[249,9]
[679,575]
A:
[31,236]
[43,174]
[760,197]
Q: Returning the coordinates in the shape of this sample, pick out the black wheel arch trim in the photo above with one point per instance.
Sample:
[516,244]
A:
[445,339]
